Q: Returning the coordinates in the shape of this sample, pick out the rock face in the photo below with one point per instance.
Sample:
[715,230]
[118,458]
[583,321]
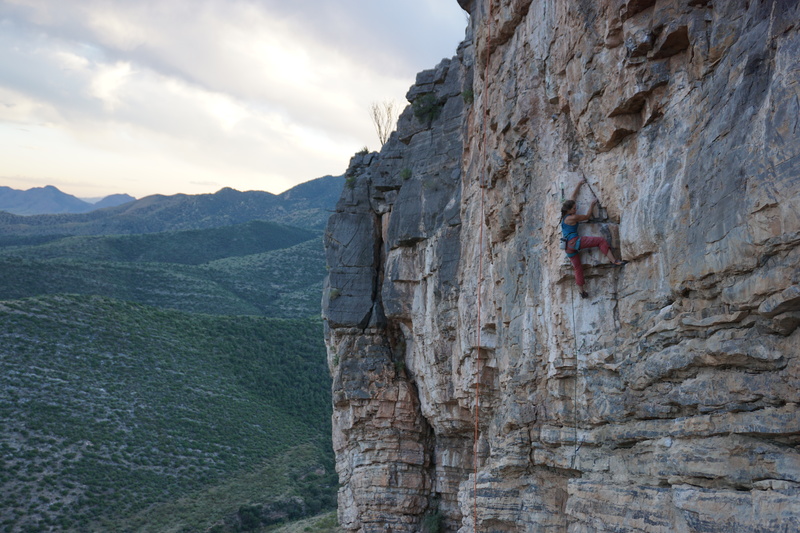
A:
[473,387]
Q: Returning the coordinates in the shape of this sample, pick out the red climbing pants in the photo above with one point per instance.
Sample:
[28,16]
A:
[586,242]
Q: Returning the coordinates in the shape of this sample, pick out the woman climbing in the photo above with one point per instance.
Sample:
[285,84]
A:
[573,243]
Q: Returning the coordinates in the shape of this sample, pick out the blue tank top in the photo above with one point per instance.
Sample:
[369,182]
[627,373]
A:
[568,231]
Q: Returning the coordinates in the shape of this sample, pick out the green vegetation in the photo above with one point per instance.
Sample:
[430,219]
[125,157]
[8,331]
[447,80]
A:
[286,282]
[113,408]
[468,96]
[192,247]
[167,381]
[405,174]
[282,283]
[324,523]
[427,108]
[220,507]
[433,520]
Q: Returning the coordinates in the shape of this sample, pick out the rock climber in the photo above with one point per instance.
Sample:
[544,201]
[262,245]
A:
[574,243]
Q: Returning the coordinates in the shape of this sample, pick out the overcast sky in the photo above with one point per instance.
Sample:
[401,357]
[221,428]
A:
[165,96]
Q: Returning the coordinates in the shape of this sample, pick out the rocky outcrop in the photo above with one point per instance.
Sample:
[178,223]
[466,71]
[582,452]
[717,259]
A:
[471,383]
[393,250]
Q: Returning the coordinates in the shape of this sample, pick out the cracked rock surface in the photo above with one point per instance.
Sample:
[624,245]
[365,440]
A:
[668,400]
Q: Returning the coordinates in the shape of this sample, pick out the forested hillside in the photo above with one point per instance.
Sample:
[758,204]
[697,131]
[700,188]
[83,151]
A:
[170,380]
[190,247]
[258,268]
[111,407]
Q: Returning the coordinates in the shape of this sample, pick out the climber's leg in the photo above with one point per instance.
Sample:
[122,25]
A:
[578,268]
[599,242]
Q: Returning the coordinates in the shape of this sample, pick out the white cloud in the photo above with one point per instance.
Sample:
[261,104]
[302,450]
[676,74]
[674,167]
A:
[107,82]
[226,110]
[16,109]
[242,93]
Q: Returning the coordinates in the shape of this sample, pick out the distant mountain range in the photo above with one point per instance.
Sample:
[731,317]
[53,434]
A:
[109,201]
[305,206]
[230,252]
[50,200]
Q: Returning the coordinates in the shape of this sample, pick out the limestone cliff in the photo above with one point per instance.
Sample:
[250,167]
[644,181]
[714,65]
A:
[666,401]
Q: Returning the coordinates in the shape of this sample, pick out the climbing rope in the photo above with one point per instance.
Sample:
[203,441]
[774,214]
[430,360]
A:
[575,384]
[577,444]
[483,179]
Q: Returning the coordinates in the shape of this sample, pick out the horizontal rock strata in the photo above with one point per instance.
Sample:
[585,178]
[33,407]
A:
[473,387]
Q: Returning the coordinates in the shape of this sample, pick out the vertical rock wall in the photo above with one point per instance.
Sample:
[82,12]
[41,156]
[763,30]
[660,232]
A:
[667,400]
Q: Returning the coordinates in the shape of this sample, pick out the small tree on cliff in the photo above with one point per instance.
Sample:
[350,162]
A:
[384,116]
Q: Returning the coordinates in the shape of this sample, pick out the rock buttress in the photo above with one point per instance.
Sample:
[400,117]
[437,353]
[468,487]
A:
[393,248]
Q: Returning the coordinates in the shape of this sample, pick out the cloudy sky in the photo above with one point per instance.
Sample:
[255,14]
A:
[165,96]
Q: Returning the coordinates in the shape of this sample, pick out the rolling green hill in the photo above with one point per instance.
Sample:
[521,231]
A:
[284,282]
[190,247]
[162,366]
[114,411]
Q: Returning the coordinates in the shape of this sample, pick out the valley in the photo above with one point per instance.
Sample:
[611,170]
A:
[164,381]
